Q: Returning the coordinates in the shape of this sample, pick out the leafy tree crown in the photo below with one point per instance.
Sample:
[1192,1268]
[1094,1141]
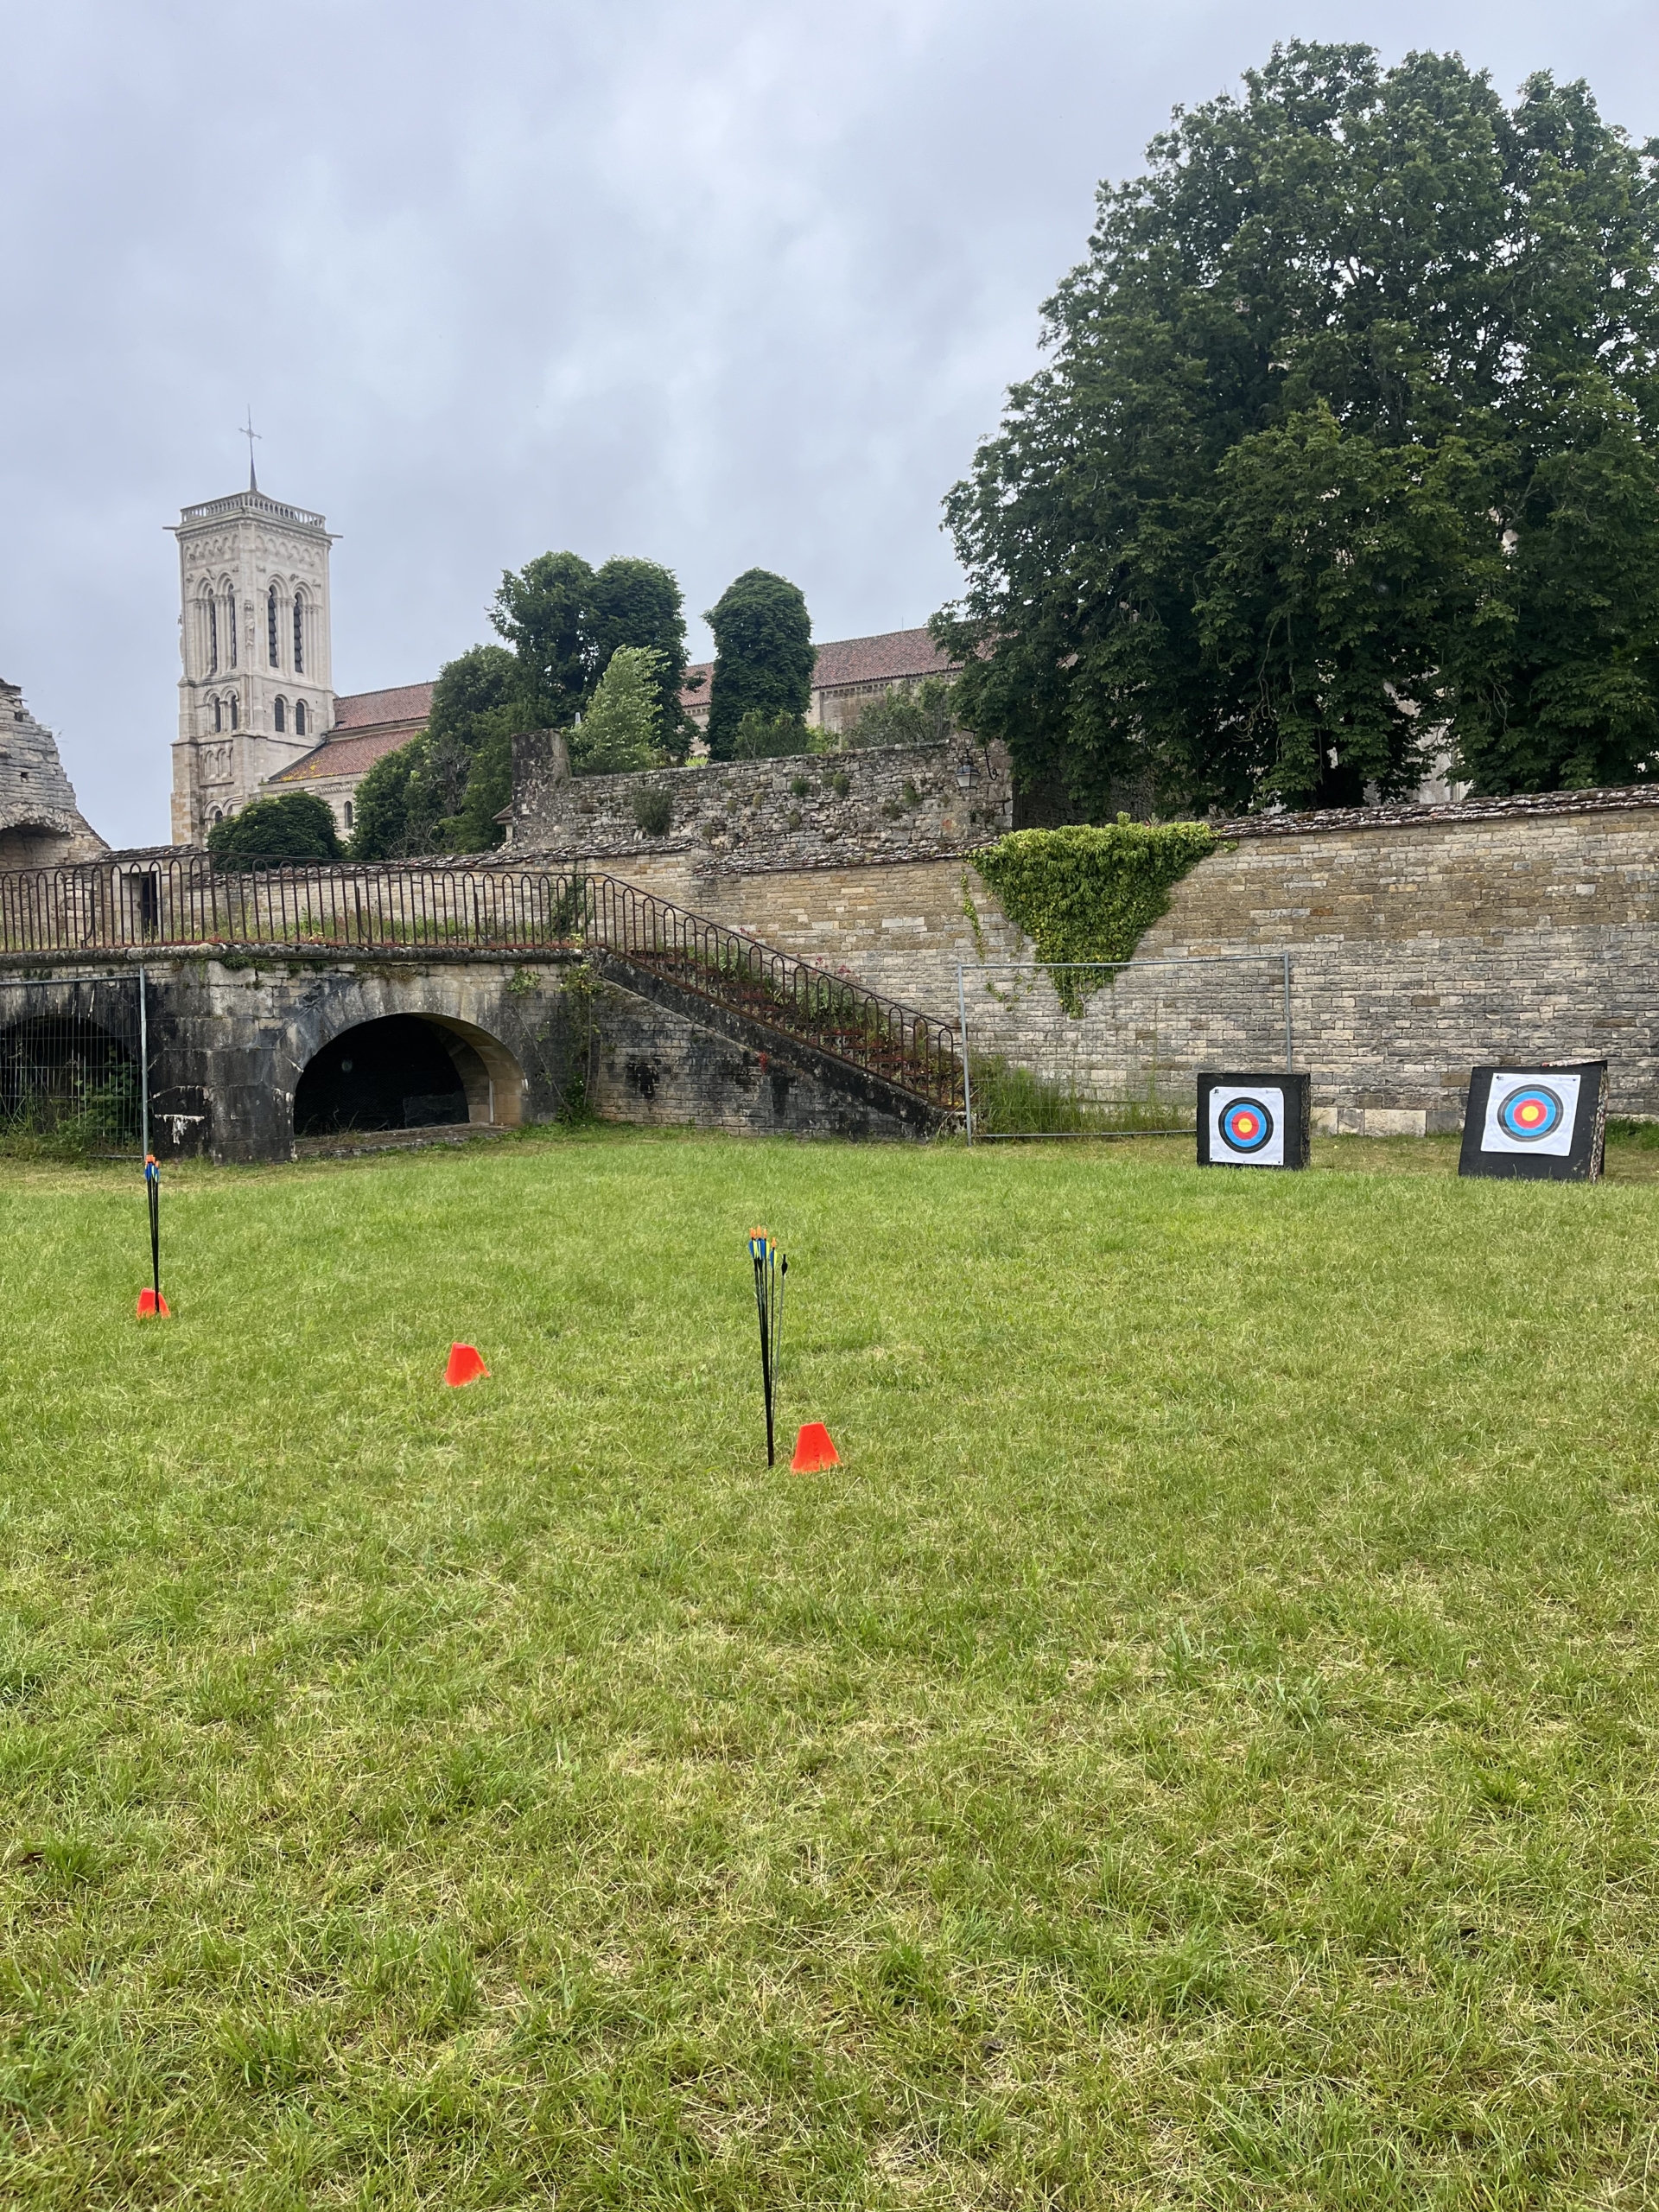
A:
[298,826]
[1345,454]
[764,655]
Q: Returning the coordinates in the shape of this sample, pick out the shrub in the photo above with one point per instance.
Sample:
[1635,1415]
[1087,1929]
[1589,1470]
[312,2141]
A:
[653,811]
[761,736]
[299,826]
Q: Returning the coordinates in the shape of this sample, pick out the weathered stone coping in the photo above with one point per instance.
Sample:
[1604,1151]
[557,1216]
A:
[1619,798]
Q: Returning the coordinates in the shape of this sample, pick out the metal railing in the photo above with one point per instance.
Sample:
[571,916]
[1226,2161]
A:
[910,1049]
[186,904]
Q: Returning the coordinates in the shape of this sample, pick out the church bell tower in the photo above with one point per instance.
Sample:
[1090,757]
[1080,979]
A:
[257,692]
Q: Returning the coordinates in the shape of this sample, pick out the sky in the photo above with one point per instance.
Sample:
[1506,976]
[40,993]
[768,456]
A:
[732,284]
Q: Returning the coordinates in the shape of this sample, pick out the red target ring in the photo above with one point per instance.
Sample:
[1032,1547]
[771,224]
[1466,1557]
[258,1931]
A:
[1246,1125]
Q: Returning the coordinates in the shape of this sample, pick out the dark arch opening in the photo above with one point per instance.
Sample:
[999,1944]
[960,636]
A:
[406,1072]
[62,1076]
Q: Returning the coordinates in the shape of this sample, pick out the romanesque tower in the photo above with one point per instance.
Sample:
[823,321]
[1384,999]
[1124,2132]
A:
[257,687]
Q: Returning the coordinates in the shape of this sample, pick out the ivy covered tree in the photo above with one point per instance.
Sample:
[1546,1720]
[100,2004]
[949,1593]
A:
[1345,455]
[764,657]
[298,826]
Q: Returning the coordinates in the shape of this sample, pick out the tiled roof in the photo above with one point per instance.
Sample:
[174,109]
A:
[404,703]
[344,756]
[885,658]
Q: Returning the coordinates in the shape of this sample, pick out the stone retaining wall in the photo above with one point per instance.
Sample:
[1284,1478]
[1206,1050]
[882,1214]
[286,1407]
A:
[884,802]
[1423,940]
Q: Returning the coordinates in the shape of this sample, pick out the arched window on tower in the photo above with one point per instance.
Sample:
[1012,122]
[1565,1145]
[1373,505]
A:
[299,634]
[233,706]
[213,636]
[280,715]
[230,622]
[270,628]
[299,718]
[219,713]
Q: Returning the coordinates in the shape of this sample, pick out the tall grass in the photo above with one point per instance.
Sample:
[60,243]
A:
[1013,1101]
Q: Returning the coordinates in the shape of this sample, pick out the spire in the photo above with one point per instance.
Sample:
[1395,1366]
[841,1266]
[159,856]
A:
[250,434]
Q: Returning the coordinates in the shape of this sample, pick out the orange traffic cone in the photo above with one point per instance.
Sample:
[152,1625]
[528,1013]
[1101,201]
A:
[465,1366]
[813,1450]
[151,1302]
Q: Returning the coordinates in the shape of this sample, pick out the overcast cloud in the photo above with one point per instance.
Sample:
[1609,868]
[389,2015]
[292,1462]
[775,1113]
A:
[727,283]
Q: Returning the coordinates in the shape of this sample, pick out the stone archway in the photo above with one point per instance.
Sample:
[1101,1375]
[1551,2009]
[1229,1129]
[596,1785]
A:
[408,1070]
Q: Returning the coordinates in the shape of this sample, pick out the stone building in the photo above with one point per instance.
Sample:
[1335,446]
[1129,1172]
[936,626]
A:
[257,690]
[849,672]
[367,724]
[41,824]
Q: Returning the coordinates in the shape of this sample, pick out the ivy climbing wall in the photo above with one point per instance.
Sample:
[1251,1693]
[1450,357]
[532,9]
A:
[1421,941]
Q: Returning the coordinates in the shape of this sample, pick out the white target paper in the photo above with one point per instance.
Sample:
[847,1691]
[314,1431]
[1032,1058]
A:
[1534,1112]
[1247,1126]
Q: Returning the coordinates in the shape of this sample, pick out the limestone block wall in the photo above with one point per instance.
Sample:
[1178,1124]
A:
[886,803]
[230,1039]
[1421,940]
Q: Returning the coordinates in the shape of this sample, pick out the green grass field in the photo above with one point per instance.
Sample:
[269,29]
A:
[1199,1750]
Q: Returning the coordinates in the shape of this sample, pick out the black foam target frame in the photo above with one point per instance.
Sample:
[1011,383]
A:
[1291,1089]
[1581,1163]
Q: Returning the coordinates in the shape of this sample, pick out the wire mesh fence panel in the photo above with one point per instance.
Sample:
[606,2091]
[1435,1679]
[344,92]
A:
[1113,1048]
[70,1079]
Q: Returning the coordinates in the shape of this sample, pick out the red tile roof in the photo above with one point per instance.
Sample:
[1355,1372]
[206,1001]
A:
[888,657]
[350,755]
[404,703]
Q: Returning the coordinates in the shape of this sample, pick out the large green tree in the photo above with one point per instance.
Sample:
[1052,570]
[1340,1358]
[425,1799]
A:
[763,656]
[637,604]
[564,619]
[440,792]
[1345,454]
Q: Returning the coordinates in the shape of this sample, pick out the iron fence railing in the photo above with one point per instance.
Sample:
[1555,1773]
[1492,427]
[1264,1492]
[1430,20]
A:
[908,1048]
[186,904]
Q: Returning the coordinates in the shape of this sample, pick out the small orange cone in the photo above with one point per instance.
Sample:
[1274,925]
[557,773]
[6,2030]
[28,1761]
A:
[813,1450]
[465,1366]
[147,1304]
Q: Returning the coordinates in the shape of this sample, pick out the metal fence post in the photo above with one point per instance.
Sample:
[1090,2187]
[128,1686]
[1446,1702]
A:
[1289,1061]
[144,1062]
[962,1030]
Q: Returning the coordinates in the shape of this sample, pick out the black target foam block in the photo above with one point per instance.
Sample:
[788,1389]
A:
[1253,1121]
[1548,1124]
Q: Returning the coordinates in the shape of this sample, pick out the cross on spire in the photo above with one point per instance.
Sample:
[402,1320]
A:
[250,434]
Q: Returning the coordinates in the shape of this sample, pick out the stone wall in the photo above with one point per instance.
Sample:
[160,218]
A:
[887,803]
[1421,940]
[41,825]
[230,1039]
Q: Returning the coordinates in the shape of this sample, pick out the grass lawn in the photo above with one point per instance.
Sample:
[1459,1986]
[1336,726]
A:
[1198,1751]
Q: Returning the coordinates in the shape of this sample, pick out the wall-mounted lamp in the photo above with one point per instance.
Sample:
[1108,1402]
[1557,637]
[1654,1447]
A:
[965,772]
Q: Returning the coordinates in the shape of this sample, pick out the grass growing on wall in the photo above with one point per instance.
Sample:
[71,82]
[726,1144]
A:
[1091,893]
[1198,1751]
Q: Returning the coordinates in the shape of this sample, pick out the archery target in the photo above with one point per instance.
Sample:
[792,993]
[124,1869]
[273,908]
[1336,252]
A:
[1534,1114]
[1247,1127]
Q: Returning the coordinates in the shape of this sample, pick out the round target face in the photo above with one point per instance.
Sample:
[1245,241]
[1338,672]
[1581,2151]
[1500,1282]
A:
[1531,1113]
[1246,1124]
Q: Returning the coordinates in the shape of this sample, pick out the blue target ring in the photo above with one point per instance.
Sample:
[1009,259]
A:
[1531,1113]
[1246,1125]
